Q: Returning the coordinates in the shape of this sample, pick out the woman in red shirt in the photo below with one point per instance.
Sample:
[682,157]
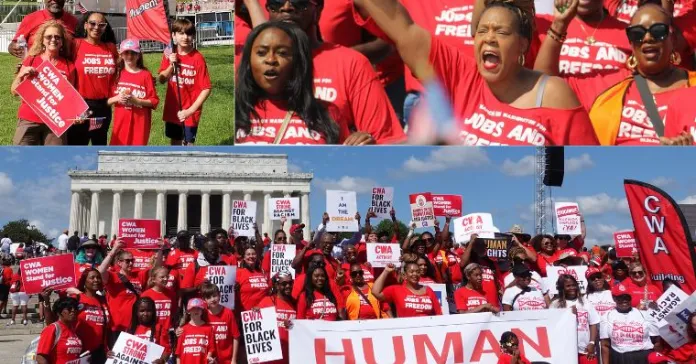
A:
[54,46]
[95,61]
[285,306]
[251,281]
[67,346]
[643,293]
[617,110]
[318,301]
[18,298]
[274,94]
[422,301]
[546,248]
[359,301]
[427,271]
[471,298]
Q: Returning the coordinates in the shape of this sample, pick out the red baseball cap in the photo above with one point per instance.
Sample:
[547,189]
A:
[592,271]
[619,290]
[657,358]
[295,227]
[567,253]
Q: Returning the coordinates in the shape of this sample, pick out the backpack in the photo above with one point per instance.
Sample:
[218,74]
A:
[73,243]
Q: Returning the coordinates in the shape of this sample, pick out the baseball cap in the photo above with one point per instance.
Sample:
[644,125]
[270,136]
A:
[89,244]
[592,271]
[619,290]
[520,270]
[567,253]
[129,45]
[296,227]
[196,303]
[657,358]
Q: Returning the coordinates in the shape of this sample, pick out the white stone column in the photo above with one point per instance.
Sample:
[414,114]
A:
[205,212]
[84,226]
[161,210]
[181,221]
[288,224]
[94,214]
[247,195]
[138,205]
[226,211]
[304,207]
[74,211]
[115,212]
[267,222]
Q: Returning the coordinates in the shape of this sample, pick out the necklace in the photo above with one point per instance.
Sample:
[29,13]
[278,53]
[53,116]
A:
[590,40]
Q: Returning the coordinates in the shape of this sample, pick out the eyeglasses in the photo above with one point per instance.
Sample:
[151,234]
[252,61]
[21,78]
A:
[636,33]
[94,24]
[128,261]
[638,273]
[356,273]
[299,5]
[53,37]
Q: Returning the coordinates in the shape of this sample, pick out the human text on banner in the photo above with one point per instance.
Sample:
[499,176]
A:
[132,349]
[243,217]
[140,233]
[52,98]
[422,213]
[444,205]
[577,271]
[568,218]
[224,277]
[441,293]
[147,20]
[260,330]
[57,272]
[281,258]
[284,207]
[625,244]
[382,201]
[545,335]
[341,207]
[379,254]
[476,223]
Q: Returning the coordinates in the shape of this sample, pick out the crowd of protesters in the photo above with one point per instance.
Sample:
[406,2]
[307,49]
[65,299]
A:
[474,72]
[164,296]
[106,76]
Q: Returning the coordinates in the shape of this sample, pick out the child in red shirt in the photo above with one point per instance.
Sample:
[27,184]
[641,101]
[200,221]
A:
[223,322]
[165,299]
[18,298]
[184,101]
[134,97]
[509,350]
[144,325]
[196,344]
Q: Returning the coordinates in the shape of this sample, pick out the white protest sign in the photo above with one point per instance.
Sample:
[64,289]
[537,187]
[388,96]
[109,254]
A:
[341,207]
[379,255]
[568,218]
[281,258]
[441,293]
[224,277]
[243,217]
[132,349]
[668,302]
[577,271]
[671,335]
[87,359]
[284,207]
[679,316]
[476,223]
[422,211]
[260,329]
[382,201]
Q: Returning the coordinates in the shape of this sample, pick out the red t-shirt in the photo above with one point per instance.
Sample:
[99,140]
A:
[507,359]
[273,114]
[284,311]
[192,278]
[610,50]
[194,79]
[489,285]
[165,305]
[96,68]
[298,286]
[253,287]
[225,330]
[322,308]
[455,271]
[66,69]
[141,258]
[132,123]
[31,23]
[678,119]
[16,284]
[7,273]
[91,320]
[180,260]
[195,343]
[638,293]
[487,121]
[68,346]
[121,299]
[409,304]
[159,337]
[466,299]
[229,259]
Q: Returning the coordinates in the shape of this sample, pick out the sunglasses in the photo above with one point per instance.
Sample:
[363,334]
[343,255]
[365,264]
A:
[299,5]
[636,33]
[94,24]
[53,37]
[356,273]
[285,283]
[128,261]
[638,273]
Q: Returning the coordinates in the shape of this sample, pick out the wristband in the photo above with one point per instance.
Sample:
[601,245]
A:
[555,36]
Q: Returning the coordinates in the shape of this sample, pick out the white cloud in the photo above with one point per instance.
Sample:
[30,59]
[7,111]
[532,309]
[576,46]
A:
[6,185]
[346,183]
[689,200]
[600,204]
[662,182]
[294,168]
[446,158]
[579,163]
[523,167]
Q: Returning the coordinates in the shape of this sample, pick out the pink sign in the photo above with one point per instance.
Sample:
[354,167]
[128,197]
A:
[140,233]
[444,205]
[57,272]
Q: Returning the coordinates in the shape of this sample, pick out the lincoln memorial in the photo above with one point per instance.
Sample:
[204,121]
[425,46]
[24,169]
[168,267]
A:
[184,190]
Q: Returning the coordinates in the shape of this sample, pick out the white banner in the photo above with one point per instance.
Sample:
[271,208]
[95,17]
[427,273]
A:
[281,258]
[568,218]
[577,271]
[131,349]
[382,201]
[668,302]
[679,316]
[441,293]
[671,335]
[284,207]
[223,276]
[260,331]
[341,207]
[545,335]
[476,223]
[243,217]
[379,255]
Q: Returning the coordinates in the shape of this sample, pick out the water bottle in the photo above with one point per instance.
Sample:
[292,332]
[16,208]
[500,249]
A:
[22,43]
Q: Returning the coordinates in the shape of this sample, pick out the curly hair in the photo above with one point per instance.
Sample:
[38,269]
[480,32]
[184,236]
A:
[37,48]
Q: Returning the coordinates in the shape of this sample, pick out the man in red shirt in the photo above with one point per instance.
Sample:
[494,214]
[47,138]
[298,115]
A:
[53,11]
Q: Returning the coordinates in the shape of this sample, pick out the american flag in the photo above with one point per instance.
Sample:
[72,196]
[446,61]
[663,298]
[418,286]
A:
[168,51]
[81,8]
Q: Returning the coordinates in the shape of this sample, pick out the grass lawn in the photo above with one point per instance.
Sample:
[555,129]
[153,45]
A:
[218,111]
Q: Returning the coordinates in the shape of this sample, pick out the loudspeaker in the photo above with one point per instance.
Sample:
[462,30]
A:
[554,166]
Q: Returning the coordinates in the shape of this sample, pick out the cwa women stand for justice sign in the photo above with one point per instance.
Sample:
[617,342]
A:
[57,272]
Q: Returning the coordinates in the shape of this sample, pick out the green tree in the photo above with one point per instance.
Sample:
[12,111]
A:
[20,231]
[384,227]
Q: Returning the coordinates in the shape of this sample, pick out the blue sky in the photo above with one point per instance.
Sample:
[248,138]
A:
[34,182]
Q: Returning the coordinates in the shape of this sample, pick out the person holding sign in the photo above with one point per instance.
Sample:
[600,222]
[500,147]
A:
[251,281]
[411,298]
[196,273]
[472,298]
[285,306]
[318,301]
[361,304]
[687,352]
[196,344]
[53,44]
[223,322]
[521,296]
[144,325]
[279,238]
[475,252]
[59,343]
[588,318]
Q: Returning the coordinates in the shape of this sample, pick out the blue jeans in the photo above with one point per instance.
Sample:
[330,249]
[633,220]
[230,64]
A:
[412,99]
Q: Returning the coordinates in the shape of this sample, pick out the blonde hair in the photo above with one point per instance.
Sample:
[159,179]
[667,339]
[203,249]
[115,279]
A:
[153,274]
[37,48]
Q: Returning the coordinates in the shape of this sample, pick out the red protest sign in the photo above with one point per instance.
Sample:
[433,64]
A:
[52,98]
[447,204]
[625,244]
[140,233]
[57,272]
[147,20]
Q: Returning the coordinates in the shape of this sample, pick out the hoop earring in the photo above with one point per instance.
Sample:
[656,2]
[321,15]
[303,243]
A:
[631,63]
[675,58]
[521,59]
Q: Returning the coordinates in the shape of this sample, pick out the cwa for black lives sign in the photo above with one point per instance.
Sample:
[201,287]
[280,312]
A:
[382,201]
[260,328]
[281,258]
[243,217]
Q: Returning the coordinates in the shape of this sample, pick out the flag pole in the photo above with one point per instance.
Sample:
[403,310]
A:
[176,71]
